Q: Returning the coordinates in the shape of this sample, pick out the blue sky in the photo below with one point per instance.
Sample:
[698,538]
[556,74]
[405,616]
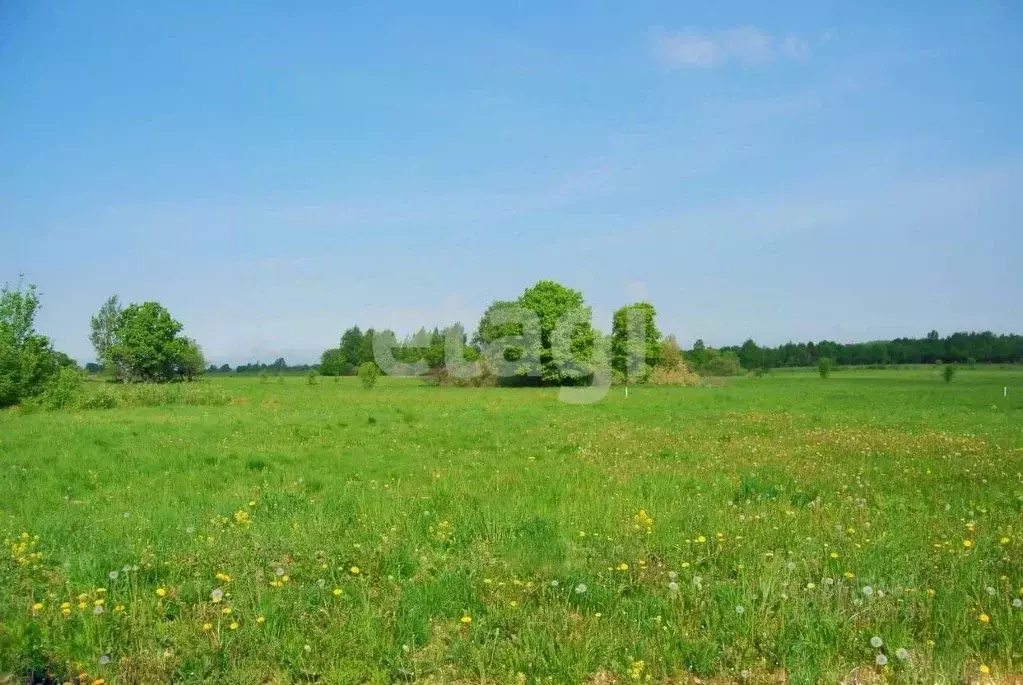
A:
[274,174]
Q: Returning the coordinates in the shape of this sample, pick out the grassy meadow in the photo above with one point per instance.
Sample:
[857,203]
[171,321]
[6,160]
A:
[763,530]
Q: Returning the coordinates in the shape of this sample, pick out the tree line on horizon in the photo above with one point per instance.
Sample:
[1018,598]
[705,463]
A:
[142,342]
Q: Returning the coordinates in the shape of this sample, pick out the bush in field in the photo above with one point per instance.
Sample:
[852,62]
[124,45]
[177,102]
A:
[27,360]
[948,373]
[824,367]
[264,376]
[721,363]
[101,398]
[63,390]
[368,374]
[680,375]
[311,378]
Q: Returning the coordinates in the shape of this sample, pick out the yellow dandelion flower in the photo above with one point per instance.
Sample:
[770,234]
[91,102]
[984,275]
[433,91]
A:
[834,555]
[37,607]
[984,618]
[338,592]
[701,539]
[810,586]
[1005,541]
[260,620]
[467,619]
[99,681]
[82,605]
[967,544]
[207,627]
[623,566]
[119,608]
[160,592]
[226,611]
[849,574]
[234,625]
[985,669]
[355,570]
[513,604]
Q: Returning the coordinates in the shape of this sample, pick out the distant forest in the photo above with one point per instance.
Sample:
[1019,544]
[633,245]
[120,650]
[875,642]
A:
[958,348]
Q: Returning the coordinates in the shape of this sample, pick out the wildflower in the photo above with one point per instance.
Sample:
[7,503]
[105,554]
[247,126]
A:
[226,611]
[881,660]
[623,566]
[868,591]
[876,642]
[467,619]
[513,604]
[740,609]
[234,625]
[967,544]
[97,610]
[991,591]
[902,653]
[554,583]
[338,592]
[791,566]
[217,595]
[355,570]
[104,660]
[207,627]
[1004,541]
[636,671]
[931,592]
[223,577]
[100,602]
[985,669]
[810,586]
[672,575]
[160,592]
[113,575]
[37,607]
[834,555]
[260,620]
[849,574]
[701,539]
[99,681]
[673,586]
[279,571]
[984,618]
[930,644]
[1017,603]
[119,609]
[829,581]
[580,588]
[685,564]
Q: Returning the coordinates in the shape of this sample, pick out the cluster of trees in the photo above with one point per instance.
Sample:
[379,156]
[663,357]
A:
[278,367]
[545,337]
[962,348]
[28,362]
[144,343]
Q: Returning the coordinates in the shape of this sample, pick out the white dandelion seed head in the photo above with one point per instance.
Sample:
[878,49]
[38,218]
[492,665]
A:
[321,582]
[190,530]
[791,565]
[554,583]
[744,674]
[104,660]
[991,591]
[97,610]
[740,609]
[279,571]
[127,514]
[876,642]
[113,575]
[672,575]
[134,567]
[868,591]
[829,581]
[673,586]
[217,595]
[1017,603]
[881,660]
[902,653]
[580,588]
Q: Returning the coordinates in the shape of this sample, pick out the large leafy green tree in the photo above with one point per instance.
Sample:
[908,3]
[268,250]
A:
[27,360]
[148,346]
[635,341]
[333,362]
[351,346]
[553,303]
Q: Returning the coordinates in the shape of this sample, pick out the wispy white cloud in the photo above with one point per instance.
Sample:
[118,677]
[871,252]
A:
[741,44]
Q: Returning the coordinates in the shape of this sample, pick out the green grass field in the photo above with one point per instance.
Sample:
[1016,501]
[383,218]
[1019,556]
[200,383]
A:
[765,529]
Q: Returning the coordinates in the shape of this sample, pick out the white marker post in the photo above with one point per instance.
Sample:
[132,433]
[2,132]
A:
[1005,391]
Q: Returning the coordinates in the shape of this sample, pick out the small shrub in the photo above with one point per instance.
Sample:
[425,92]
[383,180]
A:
[102,398]
[824,367]
[63,390]
[948,373]
[368,374]
[311,378]
[680,375]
